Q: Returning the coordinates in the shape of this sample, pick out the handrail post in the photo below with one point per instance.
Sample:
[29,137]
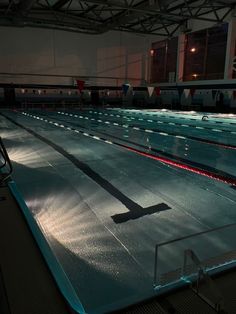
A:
[7,160]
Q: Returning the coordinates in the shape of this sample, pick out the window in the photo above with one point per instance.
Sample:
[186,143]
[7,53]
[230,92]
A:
[205,52]
[163,60]
[234,72]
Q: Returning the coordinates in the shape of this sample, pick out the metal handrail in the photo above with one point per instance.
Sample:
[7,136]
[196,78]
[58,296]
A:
[157,246]
[4,160]
[7,162]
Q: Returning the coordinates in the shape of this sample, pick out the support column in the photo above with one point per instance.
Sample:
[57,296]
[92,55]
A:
[180,59]
[230,49]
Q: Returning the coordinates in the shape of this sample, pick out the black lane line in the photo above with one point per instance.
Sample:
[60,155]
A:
[194,138]
[135,210]
[157,152]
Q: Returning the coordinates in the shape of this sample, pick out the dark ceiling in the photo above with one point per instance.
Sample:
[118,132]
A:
[163,17]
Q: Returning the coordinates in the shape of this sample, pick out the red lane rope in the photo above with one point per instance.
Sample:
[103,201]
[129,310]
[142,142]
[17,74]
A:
[201,172]
[227,146]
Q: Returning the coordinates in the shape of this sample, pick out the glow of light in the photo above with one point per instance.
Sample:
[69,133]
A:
[195,75]
[193,49]
[152,52]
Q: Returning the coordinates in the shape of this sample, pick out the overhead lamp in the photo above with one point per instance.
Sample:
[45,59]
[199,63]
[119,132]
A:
[152,51]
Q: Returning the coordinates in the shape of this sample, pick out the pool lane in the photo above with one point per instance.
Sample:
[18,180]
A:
[213,118]
[186,150]
[198,128]
[144,126]
[197,132]
[169,118]
[177,162]
[109,263]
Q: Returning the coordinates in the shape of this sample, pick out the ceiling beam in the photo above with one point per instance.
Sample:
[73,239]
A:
[24,6]
[144,16]
[59,4]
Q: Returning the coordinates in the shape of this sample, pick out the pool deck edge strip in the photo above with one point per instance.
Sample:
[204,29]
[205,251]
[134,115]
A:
[57,271]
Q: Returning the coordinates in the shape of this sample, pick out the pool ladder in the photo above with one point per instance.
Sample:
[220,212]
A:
[5,164]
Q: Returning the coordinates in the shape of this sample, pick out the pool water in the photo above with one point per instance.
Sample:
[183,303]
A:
[105,186]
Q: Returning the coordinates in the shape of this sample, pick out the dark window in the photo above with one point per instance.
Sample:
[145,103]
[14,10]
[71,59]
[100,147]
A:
[234,72]
[205,52]
[163,60]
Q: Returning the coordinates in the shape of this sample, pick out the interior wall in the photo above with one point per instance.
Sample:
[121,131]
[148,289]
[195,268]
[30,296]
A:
[122,56]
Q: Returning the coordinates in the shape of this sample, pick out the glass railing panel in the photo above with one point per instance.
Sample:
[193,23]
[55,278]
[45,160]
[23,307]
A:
[216,249]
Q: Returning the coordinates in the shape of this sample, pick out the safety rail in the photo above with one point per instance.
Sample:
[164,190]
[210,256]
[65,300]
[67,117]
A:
[215,248]
[5,163]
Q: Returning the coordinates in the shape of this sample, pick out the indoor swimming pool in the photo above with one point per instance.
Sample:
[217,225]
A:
[105,186]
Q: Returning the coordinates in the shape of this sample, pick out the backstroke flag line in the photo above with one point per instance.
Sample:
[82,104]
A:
[150,90]
[186,92]
[125,88]
[157,91]
[80,85]
[192,92]
[230,94]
